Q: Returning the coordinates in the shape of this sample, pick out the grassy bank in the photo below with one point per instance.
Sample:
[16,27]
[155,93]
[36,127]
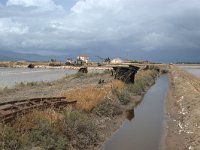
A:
[81,127]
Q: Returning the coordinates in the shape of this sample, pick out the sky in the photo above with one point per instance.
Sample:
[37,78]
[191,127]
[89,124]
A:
[158,30]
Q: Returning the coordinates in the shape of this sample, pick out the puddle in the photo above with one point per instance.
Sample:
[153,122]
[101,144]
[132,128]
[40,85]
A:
[144,125]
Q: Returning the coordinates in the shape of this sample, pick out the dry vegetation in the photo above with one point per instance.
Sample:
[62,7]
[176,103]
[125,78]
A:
[20,63]
[62,130]
[90,96]
[74,129]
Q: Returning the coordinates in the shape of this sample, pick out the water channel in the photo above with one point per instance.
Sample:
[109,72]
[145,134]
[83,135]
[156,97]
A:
[145,124]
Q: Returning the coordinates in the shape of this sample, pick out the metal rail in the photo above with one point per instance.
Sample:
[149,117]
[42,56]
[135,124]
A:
[10,110]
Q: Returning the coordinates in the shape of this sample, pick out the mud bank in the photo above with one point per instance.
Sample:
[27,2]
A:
[183,125]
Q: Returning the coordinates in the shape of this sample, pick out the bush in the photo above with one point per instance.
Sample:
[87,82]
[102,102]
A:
[87,97]
[55,64]
[123,95]
[137,88]
[72,129]
[152,67]
[107,71]
[46,135]
[32,83]
[143,80]
[80,130]
[107,109]
[11,139]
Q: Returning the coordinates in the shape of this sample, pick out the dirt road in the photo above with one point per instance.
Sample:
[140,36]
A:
[183,111]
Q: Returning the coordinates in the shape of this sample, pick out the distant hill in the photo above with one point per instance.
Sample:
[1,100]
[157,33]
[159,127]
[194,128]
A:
[14,56]
[7,58]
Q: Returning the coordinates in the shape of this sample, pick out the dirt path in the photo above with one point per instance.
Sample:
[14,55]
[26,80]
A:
[183,111]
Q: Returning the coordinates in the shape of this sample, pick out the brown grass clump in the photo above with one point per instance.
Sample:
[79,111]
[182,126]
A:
[144,73]
[88,97]
[30,120]
[117,84]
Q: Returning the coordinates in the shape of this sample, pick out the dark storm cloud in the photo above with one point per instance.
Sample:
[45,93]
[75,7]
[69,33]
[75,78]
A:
[131,28]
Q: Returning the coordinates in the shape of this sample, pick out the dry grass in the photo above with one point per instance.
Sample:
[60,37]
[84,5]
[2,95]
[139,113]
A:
[90,96]
[143,74]
[117,84]
[29,121]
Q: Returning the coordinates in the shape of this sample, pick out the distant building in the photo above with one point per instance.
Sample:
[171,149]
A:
[69,61]
[117,61]
[84,58]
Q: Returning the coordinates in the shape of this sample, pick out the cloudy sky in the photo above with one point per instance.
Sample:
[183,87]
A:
[161,30]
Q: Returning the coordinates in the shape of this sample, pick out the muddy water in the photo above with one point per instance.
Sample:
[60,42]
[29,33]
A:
[144,125]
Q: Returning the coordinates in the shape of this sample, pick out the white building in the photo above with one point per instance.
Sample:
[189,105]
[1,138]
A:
[117,61]
[84,58]
[69,61]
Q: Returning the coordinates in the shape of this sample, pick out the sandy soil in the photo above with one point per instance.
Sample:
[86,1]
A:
[183,125]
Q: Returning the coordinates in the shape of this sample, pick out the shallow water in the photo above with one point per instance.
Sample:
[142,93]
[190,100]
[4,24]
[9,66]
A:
[144,126]
[10,76]
[195,70]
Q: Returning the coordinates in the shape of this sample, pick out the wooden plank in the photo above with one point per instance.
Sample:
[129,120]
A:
[32,99]
[10,110]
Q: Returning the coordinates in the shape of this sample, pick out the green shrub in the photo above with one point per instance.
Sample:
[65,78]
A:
[107,109]
[32,83]
[123,95]
[141,84]
[55,64]
[107,71]
[47,136]
[135,89]
[11,139]
[80,129]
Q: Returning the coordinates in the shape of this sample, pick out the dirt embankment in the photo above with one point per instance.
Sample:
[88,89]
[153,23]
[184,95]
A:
[183,111]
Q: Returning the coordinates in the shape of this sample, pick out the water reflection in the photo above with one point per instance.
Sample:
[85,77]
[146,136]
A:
[130,114]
